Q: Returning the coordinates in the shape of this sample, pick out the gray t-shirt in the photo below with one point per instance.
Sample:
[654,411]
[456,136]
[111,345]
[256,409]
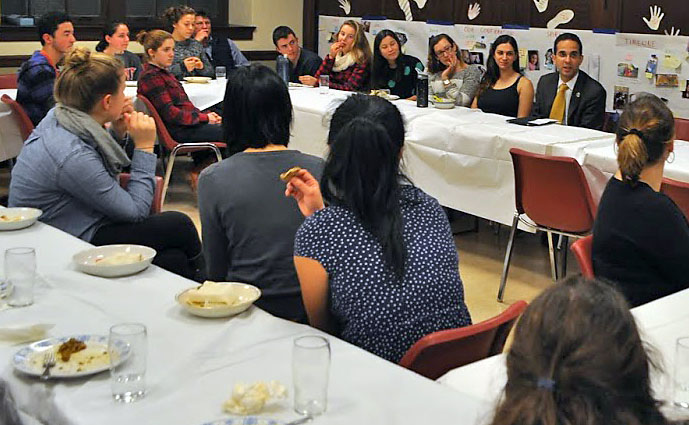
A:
[248,223]
[132,65]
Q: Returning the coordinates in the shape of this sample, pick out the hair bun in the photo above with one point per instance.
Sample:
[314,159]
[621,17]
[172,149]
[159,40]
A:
[141,36]
[77,57]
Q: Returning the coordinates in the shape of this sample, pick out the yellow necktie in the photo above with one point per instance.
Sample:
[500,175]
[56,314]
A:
[557,112]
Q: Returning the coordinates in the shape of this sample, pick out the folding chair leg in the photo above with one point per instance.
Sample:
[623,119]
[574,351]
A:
[564,243]
[218,155]
[508,256]
[168,173]
[551,248]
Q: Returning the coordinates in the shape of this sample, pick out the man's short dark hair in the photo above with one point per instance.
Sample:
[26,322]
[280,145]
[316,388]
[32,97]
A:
[568,36]
[202,13]
[257,109]
[48,23]
[282,32]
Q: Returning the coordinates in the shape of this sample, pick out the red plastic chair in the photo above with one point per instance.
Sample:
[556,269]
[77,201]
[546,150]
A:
[157,204]
[681,129]
[176,148]
[8,81]
[678,192]
[436,354]
[554,193]
[23,120]
[582,249]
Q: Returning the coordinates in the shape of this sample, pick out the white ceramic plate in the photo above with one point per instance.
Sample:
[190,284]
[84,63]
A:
[18,218]
[130,83]
[246,295]
[87,261]
[246,420]
[443,105]
[94,359]
[202,80]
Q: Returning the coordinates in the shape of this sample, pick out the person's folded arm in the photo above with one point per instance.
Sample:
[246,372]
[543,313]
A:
[85,178]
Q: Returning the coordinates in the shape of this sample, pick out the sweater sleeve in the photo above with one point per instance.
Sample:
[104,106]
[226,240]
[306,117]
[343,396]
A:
[471,79]
[85,178]
[215,243]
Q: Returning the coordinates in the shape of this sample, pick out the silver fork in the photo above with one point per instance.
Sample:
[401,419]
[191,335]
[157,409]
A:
[299,421]
[48,362]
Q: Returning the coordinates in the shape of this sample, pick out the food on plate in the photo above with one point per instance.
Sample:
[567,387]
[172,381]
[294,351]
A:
[8,219]
[441,99]
[119,258]
[287,175]
[250,399]
[70,347]
[211,294]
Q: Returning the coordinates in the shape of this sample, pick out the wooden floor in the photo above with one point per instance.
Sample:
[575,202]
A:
[481,253]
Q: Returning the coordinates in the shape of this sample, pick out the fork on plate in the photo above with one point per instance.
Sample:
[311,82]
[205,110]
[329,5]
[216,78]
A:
[48,362]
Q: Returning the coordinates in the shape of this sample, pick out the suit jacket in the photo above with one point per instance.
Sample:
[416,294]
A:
[586,106]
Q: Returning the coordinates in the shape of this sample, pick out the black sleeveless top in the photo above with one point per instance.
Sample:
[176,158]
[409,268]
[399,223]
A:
[503,102]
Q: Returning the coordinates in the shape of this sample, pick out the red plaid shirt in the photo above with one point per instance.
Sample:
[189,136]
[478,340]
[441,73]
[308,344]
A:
[354,78]
[169,98]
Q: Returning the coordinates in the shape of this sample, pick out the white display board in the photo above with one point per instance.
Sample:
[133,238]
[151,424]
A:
[610,58]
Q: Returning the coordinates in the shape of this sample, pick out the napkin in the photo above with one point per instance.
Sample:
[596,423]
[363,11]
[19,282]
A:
[250,399]
[19,334]
[212,292]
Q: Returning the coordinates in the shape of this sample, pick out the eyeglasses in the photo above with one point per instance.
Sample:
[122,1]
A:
[444,51]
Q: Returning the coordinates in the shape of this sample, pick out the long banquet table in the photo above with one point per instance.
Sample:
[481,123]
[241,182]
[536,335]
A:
[660,323]
[194,362]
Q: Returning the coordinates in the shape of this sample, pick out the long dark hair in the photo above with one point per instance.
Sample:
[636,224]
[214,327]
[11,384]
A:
[644,130]
[578,359]
[109,29]
[434,64]
[380,64]
[362,171]
[492,74]
[257,109]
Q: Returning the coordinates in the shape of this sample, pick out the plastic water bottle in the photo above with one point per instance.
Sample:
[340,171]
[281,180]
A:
[282,68]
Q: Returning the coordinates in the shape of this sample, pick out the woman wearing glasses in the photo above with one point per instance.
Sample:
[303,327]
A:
[451,77]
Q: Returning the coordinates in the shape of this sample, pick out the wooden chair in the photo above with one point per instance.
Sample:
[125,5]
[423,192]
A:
[157,204]
[582,249]
[553,192]
[176,148]
[436,354]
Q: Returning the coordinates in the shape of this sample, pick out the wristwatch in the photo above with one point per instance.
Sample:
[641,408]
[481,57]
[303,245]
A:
[446,82]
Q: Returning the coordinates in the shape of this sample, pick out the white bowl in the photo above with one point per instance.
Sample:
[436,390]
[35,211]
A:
[443,105]
[246,295]
[86,260]
[27,217]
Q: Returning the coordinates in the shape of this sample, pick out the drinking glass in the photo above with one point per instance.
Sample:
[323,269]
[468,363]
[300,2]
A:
[324,83]
[310,369]
[220,72]
[128,379]
[680,385]
[20,272]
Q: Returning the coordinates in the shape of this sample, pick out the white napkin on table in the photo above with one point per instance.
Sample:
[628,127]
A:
[22,333]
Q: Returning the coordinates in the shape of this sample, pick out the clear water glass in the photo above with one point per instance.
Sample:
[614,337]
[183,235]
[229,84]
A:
[220,72]
[310,371]
[680,396]
[128,379]
[20,272]
[324,83]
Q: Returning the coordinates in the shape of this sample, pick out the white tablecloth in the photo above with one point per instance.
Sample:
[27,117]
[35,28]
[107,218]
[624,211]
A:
[194,362]
[660,323]
[459,156]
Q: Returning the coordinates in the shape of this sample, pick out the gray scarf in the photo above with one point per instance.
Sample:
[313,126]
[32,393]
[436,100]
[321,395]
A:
[93,134]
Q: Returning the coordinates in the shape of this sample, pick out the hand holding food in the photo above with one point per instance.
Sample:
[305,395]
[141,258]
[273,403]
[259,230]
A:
[335,49]
[199,63]
[190,63]
[303,187]
[214,118]
[201,35]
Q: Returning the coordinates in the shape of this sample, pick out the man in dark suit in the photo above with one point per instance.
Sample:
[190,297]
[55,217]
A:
[570,95]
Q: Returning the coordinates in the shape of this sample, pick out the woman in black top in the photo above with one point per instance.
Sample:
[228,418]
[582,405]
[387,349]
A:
[392,69]
[641,238]
[503,89]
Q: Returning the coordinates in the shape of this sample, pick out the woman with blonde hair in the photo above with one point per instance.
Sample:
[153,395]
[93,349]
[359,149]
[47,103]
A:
[577,359]
[349,61]
[69,167]
[641,238]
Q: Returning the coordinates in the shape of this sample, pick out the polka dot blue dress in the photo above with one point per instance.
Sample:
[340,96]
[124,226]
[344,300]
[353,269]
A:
[374,310]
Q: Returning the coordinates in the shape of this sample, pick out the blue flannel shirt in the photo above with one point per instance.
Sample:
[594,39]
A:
[35,83]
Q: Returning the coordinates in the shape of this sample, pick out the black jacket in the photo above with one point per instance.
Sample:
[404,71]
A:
[586,106]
